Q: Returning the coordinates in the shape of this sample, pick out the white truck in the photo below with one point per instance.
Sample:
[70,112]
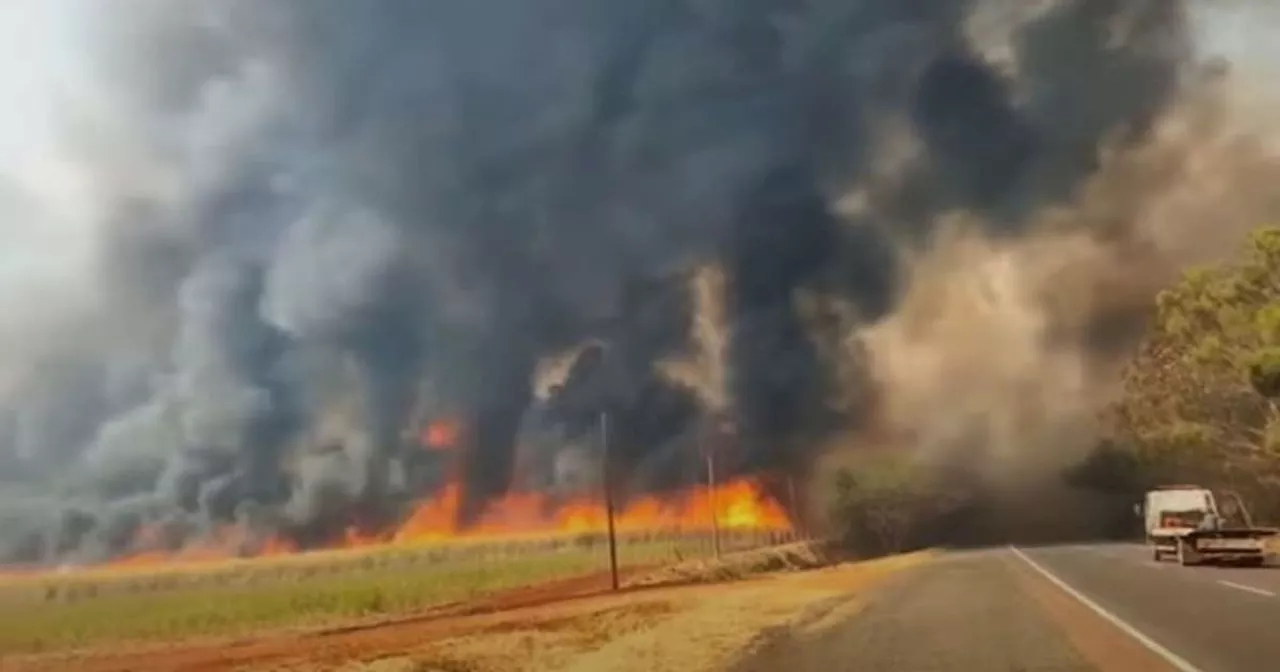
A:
[1186,522]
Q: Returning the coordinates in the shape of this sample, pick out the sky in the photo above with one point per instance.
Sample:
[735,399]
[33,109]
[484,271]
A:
[1251,41]
[45,219]
[44,237]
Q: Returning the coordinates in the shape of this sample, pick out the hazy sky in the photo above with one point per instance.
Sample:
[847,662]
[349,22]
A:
[43,238]
[36,66]
[45,234]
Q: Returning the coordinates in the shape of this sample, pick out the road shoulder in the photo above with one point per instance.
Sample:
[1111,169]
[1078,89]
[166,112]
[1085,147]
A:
[964,611]
[969,610]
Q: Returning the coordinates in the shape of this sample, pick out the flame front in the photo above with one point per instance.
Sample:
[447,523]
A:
[737,505]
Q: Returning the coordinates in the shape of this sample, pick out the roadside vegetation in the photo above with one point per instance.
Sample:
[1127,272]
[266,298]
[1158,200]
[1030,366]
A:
[59,611]
[1201,397]
[887,503]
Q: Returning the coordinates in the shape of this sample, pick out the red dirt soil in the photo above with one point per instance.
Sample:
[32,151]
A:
[344,643]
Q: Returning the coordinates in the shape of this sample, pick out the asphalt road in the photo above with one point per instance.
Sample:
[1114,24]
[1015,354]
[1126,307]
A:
[1094,607]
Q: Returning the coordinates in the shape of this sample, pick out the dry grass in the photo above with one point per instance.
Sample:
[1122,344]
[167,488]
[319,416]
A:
[790,557]
[672,630]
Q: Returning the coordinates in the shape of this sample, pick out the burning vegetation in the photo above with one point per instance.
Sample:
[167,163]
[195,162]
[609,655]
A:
[737,505]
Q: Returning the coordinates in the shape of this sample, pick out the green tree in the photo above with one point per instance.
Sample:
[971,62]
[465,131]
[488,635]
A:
[885,503]
[1200,396]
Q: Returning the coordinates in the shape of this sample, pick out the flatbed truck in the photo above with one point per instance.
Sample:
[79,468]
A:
[1186,523]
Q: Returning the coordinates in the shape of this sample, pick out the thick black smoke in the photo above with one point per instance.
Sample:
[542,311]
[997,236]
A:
[317,205]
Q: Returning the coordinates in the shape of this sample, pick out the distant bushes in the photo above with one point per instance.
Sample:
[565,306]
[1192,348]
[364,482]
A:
[889,504]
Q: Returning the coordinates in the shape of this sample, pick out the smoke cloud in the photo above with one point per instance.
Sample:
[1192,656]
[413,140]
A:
[319,224]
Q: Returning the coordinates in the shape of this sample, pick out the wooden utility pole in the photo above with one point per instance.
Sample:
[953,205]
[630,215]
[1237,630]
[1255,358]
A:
[795,508]
[608,498]
[713,434]
[711,495]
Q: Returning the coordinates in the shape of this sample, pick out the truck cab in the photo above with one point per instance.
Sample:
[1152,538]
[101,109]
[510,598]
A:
[1186,522]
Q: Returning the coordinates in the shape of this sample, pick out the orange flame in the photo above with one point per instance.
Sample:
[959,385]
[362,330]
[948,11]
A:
[738,504]
[441,434]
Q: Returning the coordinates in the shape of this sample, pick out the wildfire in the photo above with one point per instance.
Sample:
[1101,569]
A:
[738,504]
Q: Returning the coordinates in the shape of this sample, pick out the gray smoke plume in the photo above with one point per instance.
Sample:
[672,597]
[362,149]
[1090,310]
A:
[310,207]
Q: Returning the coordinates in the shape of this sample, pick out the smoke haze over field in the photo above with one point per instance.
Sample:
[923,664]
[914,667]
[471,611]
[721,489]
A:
[315,225]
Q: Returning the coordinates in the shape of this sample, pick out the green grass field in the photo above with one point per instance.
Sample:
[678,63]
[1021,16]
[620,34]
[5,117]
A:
[61,611]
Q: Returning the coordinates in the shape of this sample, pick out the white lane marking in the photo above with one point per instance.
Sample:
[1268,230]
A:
[1170,657]
[1247,589]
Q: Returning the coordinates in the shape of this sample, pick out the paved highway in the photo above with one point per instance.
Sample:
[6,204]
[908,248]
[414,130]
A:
[1089,607]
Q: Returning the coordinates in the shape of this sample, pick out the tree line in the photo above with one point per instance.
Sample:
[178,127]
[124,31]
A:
[1201,396]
